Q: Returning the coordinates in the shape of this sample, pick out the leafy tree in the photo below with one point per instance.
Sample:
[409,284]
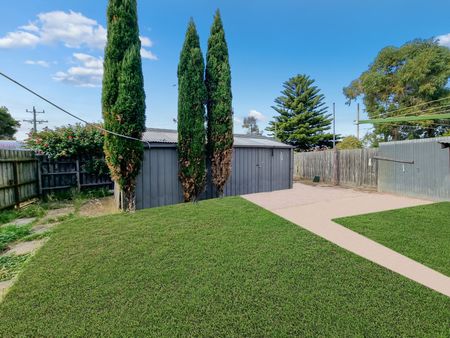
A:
[251,125]
[415,73]
[303,121]
[8,126]
[123,96]
[371,140]
[219,104]
[191,116]
[349,142]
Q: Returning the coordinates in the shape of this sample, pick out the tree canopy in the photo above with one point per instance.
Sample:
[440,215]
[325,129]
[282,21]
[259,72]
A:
[219,104]
[8,126]
[191,116]
[303,120]
[123,96]
[401,77]
[251,124]
[349,142]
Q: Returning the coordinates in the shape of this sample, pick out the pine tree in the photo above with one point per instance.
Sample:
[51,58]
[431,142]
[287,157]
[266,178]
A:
[303,121]
[123,96]
[191,116]
[220,111]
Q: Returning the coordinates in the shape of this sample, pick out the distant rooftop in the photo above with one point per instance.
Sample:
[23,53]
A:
[170,136]
[12,145]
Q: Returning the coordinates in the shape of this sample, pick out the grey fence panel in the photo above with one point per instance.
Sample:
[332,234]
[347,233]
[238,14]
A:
[18,177]
[66,173]
[427,177]
[355,167]
[253,170]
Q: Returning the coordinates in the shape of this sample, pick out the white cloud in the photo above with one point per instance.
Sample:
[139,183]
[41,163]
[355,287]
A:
[41,63]
[146,42]
[72,29]
[444,40]
[19,39]
[257,115]
[31,27]
[146,54]
[237,120]
[87,73]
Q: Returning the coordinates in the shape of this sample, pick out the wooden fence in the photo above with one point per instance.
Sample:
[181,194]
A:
[24,176]
[18,177]
[67,173]
[355,168]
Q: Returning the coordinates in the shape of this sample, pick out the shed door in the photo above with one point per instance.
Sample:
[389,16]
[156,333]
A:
[264,165]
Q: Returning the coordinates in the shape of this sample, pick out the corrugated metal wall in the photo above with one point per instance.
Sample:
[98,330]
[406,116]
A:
[253,170]
[428,177]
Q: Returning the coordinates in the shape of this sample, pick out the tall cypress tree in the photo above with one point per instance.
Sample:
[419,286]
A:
[123,96]
[303,121]
[220,111]
[191,116]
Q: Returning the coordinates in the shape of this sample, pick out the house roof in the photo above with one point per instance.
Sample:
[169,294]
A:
[12,145]
[170,136]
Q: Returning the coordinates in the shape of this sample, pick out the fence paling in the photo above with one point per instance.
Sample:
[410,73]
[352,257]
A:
[68,173]
[346,167]
[18,178]
[23,176]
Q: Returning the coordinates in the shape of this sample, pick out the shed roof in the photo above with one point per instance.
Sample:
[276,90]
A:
[170,136]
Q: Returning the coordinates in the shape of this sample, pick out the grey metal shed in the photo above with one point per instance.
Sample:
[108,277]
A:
[259,164]
[417,168]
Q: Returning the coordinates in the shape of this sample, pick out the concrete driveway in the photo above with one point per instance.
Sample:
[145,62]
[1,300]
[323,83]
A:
[314,207]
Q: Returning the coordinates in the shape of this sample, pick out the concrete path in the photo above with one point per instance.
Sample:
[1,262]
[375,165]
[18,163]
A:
[314,207]
[23,248]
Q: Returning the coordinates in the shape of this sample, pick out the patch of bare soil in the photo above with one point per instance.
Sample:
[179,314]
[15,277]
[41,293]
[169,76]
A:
[98,207]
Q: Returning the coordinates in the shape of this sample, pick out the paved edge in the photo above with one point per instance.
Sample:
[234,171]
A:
[358,244]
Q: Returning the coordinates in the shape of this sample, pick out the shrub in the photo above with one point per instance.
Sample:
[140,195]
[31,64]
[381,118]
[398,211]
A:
[349,142]
[67,141]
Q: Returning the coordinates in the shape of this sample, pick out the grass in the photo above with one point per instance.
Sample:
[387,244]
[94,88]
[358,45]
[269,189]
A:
[222,267]
[33,210]
[12,233]
[10,265]
[421,233]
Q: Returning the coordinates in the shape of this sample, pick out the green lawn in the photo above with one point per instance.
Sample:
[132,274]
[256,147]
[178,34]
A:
[421,233]
[222,267]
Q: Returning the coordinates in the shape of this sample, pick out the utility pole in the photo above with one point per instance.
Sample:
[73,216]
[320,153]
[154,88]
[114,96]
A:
[334,125]
[357,121]
[335,151]
[35,121]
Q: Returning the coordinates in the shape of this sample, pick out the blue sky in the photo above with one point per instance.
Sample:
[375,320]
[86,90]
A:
[56,47]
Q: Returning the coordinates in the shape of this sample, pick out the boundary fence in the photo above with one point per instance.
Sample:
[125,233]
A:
[355,168]
[23,176]
[18,177]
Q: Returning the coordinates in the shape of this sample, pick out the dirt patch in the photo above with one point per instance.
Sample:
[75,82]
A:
[4,287]
[99,207]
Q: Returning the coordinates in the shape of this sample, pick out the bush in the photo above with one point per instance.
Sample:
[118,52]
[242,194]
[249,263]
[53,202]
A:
[349,142]
[67,141]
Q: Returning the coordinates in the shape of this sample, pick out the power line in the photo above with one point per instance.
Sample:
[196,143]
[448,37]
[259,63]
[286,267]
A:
[67,112]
